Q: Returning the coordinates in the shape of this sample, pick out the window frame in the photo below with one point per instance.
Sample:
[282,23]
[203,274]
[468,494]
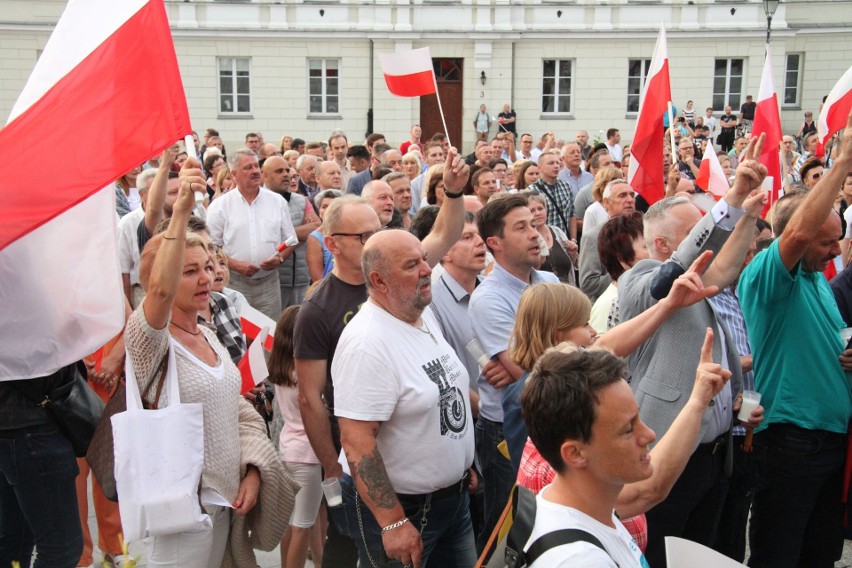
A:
[728,77]
[798,86]
[556,95]
[323,94]
[644,67]
[235,93]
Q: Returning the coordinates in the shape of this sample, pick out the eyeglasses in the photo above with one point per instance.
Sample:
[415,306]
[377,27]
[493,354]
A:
[361,236]
[816,175]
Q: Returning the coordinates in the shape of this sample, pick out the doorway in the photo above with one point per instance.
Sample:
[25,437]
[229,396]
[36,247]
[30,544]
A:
[448,74]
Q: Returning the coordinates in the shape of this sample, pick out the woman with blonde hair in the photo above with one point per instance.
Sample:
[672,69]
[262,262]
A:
[552,314]
[223,182]
[411,165]
[177,271]
[596,213]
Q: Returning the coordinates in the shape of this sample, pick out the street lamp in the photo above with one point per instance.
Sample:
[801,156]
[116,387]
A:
[769,7]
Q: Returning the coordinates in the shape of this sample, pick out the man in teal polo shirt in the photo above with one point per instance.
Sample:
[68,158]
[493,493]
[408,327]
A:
[802,372]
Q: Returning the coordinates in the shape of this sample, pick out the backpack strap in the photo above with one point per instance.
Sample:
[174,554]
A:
[558,538]
[523,520]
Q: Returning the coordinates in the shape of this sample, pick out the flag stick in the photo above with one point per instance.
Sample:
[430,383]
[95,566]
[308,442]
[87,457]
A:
[441,110]
[671,127]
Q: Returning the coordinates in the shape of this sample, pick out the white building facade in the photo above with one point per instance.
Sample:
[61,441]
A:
[304,68]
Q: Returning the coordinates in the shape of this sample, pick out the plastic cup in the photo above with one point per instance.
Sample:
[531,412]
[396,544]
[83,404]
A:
[478,352]
[846,334]
[333,491]
[751,400]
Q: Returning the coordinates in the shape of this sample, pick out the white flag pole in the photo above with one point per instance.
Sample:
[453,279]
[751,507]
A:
[440,108]
[671,128]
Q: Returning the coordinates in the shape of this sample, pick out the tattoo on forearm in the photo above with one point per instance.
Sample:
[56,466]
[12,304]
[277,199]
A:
[370,469]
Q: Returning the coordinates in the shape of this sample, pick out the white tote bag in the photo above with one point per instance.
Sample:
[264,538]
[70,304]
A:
[159,455]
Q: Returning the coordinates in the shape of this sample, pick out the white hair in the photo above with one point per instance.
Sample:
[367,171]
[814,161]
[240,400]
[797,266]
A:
[145,179]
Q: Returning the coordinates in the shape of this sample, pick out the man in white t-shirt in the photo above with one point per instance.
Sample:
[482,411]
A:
[401,397]
[581,415]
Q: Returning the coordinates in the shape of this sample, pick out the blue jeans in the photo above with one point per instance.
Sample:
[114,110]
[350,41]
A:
[496,473]
[797,516]
[447,535]
[38,498]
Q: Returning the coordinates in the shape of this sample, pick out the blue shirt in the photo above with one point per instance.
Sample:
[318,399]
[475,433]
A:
[493,306]
[727,308]
[450,303]
[794,326]
[575,183]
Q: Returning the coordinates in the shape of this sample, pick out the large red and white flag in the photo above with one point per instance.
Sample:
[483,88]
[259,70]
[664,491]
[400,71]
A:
[711,177]
[94,94]
[645,174]
[767,120]
[836,108]
[409,74]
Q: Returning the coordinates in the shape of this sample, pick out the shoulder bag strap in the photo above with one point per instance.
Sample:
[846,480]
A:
[550,198]
[164,364]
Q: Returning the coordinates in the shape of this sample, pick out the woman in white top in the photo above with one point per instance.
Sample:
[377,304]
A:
[596,214]
[177,271]
[295,450]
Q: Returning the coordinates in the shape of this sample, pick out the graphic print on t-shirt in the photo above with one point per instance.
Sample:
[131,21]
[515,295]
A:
[450,399]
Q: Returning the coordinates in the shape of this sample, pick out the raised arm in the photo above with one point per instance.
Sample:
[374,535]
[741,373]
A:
[812,213]
[168,265]
[157,191]
[450,221]
[374,488]
[670,454]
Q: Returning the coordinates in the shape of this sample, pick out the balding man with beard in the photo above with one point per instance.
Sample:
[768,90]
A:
[398,382]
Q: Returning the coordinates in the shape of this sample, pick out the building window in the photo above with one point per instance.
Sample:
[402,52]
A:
[556,86]
[234,85]
[324,86]
[793,79]
[728,83]
[637,72]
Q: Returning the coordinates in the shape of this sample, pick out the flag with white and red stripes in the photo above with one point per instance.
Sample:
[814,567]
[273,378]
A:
[409,74]
[104,96]
[252,366]
[711,177]
[836,109]
[253,322]
[645,173]
[767,119]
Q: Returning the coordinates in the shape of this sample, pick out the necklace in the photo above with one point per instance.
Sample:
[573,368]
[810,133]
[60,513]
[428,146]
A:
[184,329]
[427,330]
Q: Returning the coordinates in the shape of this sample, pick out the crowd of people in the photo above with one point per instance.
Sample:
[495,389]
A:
[449,326]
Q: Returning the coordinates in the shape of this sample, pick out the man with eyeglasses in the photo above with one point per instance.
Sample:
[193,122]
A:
[347,224]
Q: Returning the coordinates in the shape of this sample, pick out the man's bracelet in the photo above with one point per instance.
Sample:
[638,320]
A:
[453,195]
[395,525]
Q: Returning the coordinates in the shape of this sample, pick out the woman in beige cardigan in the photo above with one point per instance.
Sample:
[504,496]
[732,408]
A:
[177,271]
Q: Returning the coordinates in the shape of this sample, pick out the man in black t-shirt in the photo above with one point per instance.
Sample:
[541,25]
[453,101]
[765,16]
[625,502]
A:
[506,119]
[728,128]
[747,114]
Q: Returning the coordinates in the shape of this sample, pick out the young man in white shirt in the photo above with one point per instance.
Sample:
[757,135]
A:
[583,419]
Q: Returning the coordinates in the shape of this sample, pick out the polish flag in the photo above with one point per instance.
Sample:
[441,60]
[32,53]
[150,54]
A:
[409,74]
[711,177]
[252,366]
[95,101]
[254,322]
[767,120]
[836,109]
[645,174]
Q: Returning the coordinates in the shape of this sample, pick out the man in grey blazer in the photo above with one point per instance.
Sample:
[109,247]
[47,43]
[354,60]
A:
[663,368]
